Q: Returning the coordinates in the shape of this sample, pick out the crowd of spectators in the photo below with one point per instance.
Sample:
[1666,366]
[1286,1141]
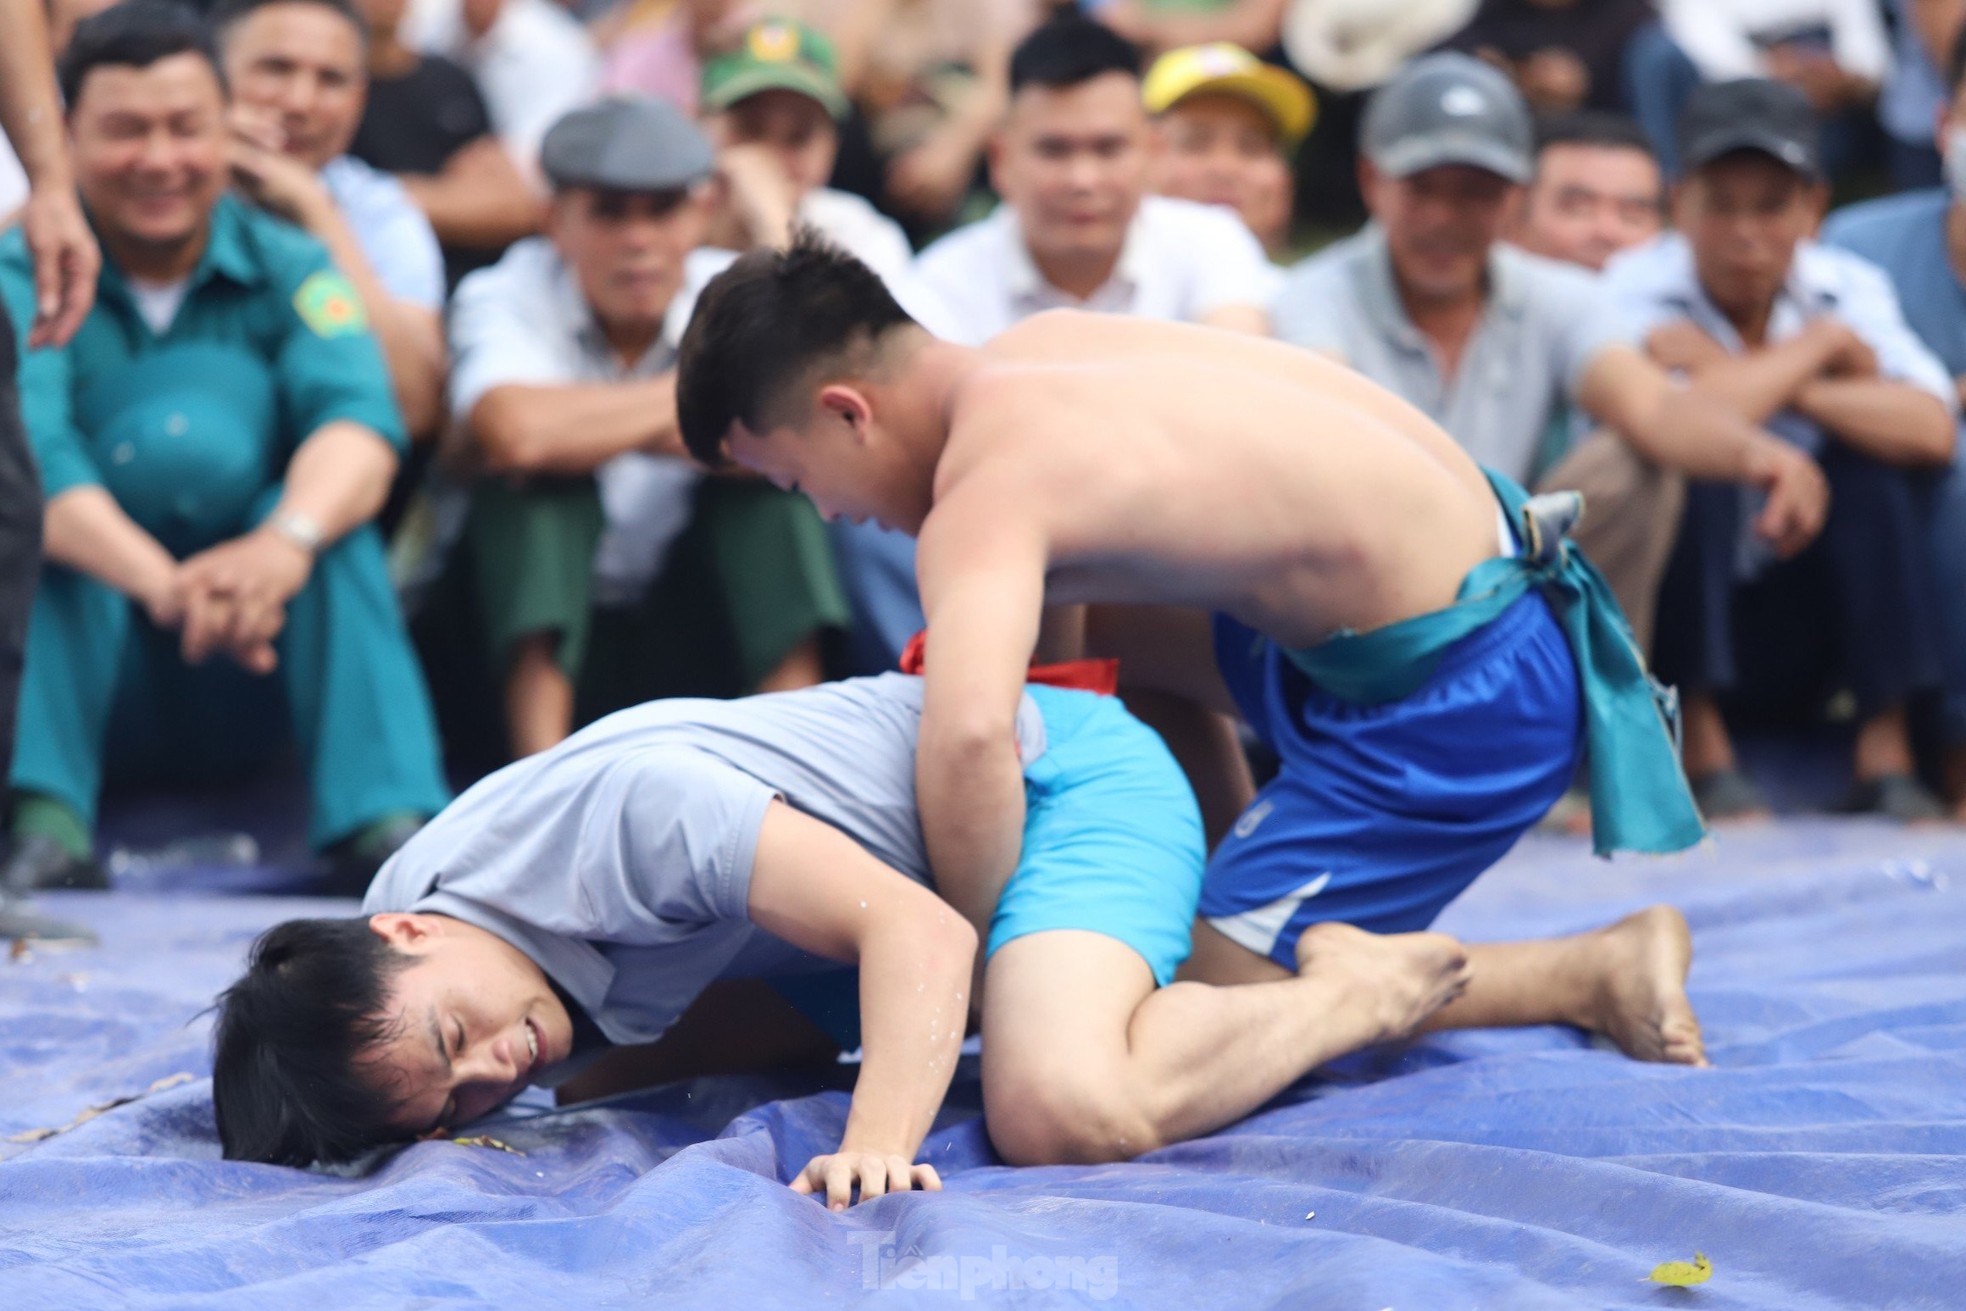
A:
[368,450]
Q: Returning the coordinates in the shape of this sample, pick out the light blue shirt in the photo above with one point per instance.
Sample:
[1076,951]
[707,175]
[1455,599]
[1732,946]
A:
[1543,325]
[1915,89]
[1657,284]
[1905,235]
[394,235]
[620,860]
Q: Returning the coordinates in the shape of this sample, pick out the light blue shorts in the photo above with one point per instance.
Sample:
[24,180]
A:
[1112,835]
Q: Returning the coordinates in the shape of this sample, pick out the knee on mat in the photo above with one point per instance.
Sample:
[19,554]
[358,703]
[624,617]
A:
[1065,1120]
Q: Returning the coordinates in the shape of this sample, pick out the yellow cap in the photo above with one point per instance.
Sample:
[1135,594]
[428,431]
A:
[1231,70]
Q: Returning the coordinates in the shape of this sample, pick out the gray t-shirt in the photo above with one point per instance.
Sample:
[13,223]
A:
[620,860]
[1543,325]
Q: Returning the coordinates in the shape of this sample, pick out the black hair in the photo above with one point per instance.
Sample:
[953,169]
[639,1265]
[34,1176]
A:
[1593,127]
[285,1088]
[227,13]
[1955,69]
[768,322]
[133,34]
[1069,49]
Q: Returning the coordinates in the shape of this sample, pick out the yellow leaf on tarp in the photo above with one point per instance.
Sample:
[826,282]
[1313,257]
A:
[90,1113]
[1683,1274]
[486,1140]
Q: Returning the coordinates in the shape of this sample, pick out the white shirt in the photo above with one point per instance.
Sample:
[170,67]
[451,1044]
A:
[535,64]
[1657,283]
[1181,261]
[524,321]
[396,238]
[860,230]
[1723,38]
[158,302]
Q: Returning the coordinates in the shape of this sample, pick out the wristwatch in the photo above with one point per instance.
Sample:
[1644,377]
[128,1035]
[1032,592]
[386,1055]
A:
[298,529]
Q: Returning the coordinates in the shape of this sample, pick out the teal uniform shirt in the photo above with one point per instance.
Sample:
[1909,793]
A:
[269,344]
[192,430]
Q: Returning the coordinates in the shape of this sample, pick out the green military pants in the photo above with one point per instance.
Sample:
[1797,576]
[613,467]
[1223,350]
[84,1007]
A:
[749,579]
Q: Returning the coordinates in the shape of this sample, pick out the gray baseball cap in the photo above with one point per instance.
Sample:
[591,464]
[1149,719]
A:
[626,144]
[1449,108]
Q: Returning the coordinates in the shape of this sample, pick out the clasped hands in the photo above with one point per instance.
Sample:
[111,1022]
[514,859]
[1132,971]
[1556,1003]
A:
[232,598]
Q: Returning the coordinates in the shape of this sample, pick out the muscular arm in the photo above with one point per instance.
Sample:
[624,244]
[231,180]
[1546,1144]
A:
[478,200]
[981,569]
[820,890]
[576,428]
[1892,421]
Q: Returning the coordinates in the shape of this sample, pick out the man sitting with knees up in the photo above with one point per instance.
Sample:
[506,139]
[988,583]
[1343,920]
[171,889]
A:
[1810,341]
[214,445]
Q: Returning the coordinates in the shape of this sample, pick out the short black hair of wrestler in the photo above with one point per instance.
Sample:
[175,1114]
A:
[286,1087]
[227,13]
[772,321]
[1069,49]
[1593,127]
[133,34]
[1955,69]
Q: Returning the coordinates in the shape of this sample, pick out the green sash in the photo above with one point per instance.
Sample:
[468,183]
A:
[1639,797]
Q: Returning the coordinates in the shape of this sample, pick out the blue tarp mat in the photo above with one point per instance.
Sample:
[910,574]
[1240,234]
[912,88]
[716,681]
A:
[1822,1164]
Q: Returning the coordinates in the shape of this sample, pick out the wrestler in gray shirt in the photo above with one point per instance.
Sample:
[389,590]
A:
[620,860]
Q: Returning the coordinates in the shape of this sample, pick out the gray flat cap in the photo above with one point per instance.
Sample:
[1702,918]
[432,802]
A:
[1449,109]
[626,144]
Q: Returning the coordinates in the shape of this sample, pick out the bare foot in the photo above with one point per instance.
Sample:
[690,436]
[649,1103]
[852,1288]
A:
[1640,999]
[1398,978]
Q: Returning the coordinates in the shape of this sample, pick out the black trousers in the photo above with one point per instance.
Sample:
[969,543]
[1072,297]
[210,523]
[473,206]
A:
[1857,609]
[20,542]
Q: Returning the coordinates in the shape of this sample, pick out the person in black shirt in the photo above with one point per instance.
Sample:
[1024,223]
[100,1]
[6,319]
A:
[427,123]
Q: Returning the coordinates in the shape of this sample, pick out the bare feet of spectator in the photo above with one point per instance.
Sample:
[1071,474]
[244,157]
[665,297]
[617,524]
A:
[1639,1001]
[1401,979]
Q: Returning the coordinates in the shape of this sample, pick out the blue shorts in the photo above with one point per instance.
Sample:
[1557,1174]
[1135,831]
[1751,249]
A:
[1113,840]
[1383,814]
[1113,845]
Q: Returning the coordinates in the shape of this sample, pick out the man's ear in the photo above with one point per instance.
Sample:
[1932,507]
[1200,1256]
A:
[1818,201]
[841,402]
[1368,181]
[404,930]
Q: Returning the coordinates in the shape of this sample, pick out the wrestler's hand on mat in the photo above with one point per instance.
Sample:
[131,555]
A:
[839,1174]
[1798,497]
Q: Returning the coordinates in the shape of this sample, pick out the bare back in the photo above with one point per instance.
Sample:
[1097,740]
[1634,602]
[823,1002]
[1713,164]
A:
[1179,465]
